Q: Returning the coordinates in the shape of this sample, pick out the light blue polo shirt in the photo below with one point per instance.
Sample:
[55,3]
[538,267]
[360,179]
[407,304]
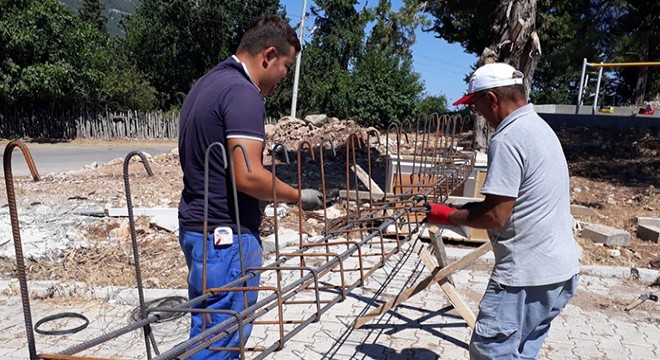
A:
[526,162]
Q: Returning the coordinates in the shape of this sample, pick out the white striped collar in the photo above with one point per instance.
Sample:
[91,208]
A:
[246,72]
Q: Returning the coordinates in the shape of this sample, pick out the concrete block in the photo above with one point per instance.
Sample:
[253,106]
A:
[579,210]
[285,237]
[268,245]
[607,235]
[649,232]
[122,212]
[653,221]
[163,218]
[281,210]
[166,222]
[362,195]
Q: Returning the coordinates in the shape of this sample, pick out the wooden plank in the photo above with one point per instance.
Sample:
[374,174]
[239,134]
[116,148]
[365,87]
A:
[366,180]
[440,252]
[480,179]
[437,275]
[448,287]
[459,304]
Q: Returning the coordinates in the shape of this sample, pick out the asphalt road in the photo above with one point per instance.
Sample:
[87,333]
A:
[50,158]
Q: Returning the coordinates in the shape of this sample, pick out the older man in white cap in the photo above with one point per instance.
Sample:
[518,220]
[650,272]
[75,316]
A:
[527,213]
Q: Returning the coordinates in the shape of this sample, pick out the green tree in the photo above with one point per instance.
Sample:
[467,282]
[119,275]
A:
[348,75]
[386,88]
[394,31]
[326,82]
[502,31]
[91,11]
[175,43]
[574,30]
[598,30]
[432,104]
[50,58]
[635,37]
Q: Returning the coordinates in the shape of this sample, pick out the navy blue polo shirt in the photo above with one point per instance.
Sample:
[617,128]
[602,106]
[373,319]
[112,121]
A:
[223,104]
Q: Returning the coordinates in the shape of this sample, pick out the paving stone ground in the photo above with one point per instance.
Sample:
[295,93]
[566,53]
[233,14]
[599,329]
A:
[593,326]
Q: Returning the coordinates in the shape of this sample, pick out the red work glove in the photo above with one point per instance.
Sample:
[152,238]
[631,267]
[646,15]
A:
[439,213]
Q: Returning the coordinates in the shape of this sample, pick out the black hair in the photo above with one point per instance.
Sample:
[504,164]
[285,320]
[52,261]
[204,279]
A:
[269,31]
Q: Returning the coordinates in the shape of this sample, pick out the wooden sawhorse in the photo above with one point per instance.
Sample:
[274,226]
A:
[440,273]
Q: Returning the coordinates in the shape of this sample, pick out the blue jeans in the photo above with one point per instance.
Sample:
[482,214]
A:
[514,321]
[222,266]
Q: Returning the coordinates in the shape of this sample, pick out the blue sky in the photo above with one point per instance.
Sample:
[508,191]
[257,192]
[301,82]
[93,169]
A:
[442,66]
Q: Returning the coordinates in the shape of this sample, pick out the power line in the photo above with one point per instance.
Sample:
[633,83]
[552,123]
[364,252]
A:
[435,67]
[435,59]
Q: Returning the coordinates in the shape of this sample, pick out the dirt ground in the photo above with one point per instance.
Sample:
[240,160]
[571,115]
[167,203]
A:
[615,171]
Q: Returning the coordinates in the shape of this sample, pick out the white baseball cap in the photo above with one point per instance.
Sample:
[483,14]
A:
[490,76]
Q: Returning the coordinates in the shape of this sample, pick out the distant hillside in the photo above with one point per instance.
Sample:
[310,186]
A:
[114,11]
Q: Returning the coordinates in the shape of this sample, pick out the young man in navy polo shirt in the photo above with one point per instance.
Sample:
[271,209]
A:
[227,106]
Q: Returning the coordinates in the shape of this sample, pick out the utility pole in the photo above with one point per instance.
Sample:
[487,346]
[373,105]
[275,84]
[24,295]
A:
[582,82]
[297,74]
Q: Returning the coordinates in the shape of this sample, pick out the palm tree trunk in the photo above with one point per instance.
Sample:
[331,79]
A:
[515,42]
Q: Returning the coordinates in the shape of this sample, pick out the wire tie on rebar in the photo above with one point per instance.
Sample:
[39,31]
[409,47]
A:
[166,301]
[61,316]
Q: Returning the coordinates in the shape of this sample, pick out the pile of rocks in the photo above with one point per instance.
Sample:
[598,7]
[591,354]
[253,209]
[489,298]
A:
[315,129]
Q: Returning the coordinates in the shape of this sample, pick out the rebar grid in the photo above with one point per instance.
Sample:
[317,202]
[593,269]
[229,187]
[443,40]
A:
[347,253]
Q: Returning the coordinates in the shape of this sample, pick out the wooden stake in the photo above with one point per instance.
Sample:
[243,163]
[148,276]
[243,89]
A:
[436,276]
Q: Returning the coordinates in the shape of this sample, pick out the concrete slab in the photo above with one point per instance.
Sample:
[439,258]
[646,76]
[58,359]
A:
[164,218]
[630,111]
[579,210]
[622,117]
[166,222]
[607,235]
[645,276]
[653,221]
[123,212]
[285,238]
[649,233]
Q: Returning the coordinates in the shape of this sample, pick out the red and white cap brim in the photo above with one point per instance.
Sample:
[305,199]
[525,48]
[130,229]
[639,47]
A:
[467,99]
[490,76]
